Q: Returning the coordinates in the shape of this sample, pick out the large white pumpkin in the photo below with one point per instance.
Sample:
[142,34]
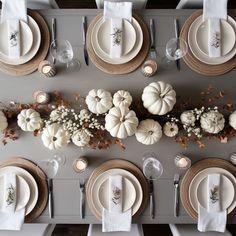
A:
[122,98]
[3,121]
[212,122]
[55,137]
[232,120]
[188,118]
[80,138]
[29,120]
[148,132]
[159,98]
[99,101]
[121,122]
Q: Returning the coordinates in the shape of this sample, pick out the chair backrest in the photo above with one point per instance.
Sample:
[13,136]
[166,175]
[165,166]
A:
[137,4]
[190,4]
[42,4]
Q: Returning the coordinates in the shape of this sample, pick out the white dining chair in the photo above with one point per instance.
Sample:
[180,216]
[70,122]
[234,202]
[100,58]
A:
[96,230]
[191,230]
[30,230]
[137,4]
[190,4]
[42,4]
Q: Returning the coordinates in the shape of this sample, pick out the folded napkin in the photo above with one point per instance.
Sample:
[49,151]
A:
[213,218]
[10,219]
[114,219]
[116,12]
[214,11]
[13,11]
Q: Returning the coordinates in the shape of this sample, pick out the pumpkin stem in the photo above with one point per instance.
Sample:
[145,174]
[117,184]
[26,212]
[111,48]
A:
[122,119]
[98,99]
[28,119]
[54,139]
[150,132]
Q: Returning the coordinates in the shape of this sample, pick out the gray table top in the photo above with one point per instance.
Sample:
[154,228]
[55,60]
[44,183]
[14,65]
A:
[185,82]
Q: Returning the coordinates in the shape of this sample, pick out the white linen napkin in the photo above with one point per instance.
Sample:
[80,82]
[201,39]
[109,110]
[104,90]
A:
[214,11]
[13,11]
[213,218]
[114,219]
[10,219]
[116,12]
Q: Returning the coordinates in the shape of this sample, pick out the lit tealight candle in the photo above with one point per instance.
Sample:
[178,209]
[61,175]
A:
[149,68]
[182,162]
[41,97]
[47,69]
[80,164]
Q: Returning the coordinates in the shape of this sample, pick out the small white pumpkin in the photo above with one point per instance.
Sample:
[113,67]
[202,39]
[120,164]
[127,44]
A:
[170,129]
[159,98]
[29,120]
[80,138]
[188,118]
[121,122]
[3,121]
[122,98]
[99,101]
[148,132]
[212,122]
[55,137]
[232,120]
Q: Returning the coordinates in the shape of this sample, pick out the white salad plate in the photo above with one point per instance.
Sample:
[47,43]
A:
[104,37]
[226,192]
[193,198]
[30,181]
[123,59]
[198,53]
[124,173]
[227,37]
[22,192]
[33,50]
[128,196]
[26,38]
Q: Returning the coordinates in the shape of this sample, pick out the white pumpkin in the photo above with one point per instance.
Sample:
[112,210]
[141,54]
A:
[212,122]
[55,137]
[188,118]
[3,121]
[99,101]
[81,138]
[29,120]
[159,98]
[148,132]
[122,98]
[170,129]
[232,120]
[121,122]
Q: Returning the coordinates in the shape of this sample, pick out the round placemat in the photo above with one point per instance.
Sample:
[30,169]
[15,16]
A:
[195,169]
[194,63]
[32,65]
[122,68]
[118,164]
[42,185]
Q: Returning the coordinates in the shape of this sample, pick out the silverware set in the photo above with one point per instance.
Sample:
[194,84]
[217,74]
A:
[176,24]
[54,33]
[176,203]
[151,194]
[84,26]
[82,198]
[153,53]
[50,198]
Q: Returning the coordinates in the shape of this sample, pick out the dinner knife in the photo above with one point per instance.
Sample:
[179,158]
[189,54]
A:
[151,197]
[54,45]
[153,52]
[50,198]
[176,23]
[176,186]
[84,24]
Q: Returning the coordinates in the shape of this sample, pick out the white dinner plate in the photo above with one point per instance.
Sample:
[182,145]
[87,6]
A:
[33,50]
[26,38]
[22,192]
[30,181]
[202,174]
[128,196]
[226,192]
[126,174]
[125,58]
[227,37]
[128,37]
[198,53]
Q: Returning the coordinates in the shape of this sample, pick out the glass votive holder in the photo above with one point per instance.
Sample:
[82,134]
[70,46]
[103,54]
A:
[182,162]
[80,164]
[41,97]
[149,68]
[47,69]
[232,158]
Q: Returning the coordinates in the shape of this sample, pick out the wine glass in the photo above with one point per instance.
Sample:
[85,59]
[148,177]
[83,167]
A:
[63,52]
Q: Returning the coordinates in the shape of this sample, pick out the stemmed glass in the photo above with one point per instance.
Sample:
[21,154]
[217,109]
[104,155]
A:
[63,52]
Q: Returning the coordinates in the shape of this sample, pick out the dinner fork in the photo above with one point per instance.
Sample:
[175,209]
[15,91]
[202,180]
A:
[82,198]
[153,53]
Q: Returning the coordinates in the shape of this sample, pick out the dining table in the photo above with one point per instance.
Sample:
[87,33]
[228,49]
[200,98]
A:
[187,84]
